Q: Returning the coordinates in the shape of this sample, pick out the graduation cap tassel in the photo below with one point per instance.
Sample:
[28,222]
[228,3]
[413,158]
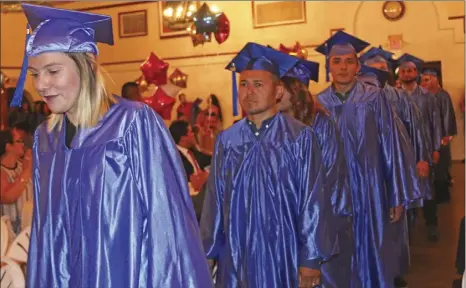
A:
[235,93]
[19,91]
[327,78]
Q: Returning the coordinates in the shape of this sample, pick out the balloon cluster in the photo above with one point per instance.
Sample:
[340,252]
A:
[207,22]
[154,72]
[297,50]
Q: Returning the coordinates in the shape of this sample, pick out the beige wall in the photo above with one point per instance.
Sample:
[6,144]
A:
[426,30]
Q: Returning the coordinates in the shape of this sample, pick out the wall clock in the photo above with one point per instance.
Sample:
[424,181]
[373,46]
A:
[393,10]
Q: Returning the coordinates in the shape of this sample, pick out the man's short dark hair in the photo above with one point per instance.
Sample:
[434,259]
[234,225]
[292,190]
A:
[22,125]
[6,137]
[178,129]
[125,87]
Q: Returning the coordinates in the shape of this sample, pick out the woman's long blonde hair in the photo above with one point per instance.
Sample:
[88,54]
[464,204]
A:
[93,100]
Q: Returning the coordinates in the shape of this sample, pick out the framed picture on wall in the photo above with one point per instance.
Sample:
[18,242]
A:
[175,17]
[132,24]
[277,13]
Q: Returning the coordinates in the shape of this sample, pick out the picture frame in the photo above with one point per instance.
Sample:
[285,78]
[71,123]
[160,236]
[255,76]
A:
[278,13]
[132,24]
[335,30]
[175,28]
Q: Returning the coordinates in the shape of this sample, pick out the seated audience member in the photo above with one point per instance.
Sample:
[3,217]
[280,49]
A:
[16,174]
[194,161]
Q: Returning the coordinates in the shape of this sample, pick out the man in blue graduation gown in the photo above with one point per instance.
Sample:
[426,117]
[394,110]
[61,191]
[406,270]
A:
[412,127]
[408,66]
[338,270]
[112,207]
[381,165]
[264,217]
[442,180]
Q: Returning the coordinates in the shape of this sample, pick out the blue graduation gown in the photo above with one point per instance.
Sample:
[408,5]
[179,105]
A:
[410,115]
[430,112]
[448,126]
[338,270]
[114,209]
[264,214]
[382,170]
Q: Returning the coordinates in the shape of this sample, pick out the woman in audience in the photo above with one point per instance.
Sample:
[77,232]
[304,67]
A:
[15,181]
[209,122]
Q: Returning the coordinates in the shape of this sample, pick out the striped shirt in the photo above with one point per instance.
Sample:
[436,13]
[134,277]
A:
[14,210]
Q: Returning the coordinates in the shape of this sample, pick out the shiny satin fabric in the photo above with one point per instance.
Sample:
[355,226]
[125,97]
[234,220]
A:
[447,113]
[338,270]
[418,131]
[114,209]
[412,119]
[381,169]
[430,113]
[449,128]
[266,208]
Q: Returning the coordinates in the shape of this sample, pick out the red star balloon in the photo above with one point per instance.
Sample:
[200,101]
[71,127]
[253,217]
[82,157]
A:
[155,70]
[179,79]
[223,28]
[161,102]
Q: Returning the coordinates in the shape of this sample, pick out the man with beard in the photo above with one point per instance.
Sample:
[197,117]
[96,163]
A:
[381,165]
[442,180]
[264,219]
[408,72]
[297,102]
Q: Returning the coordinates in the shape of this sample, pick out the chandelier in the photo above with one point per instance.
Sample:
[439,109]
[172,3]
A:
[177,15]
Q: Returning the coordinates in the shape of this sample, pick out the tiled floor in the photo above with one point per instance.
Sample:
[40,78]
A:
[433,264]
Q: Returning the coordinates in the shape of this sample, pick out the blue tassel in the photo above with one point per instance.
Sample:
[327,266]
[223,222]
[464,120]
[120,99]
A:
[327,76]
[235,93]
[19,91]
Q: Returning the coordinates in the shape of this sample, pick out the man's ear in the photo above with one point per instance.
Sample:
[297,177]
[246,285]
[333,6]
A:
[279,91]
[359,66]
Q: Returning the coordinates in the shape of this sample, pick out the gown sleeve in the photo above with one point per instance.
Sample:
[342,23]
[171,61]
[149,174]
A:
[448,115]
[435,122]
[172,254]
[314,239]
[334,160]
[213,235]
[397,157]
[33,254]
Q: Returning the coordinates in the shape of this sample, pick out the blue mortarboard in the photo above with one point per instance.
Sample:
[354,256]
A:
[375,55]
[254,56]
[305,71]
[409,60]
[60,30]
[374,76]
[431,72]
[340,43]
